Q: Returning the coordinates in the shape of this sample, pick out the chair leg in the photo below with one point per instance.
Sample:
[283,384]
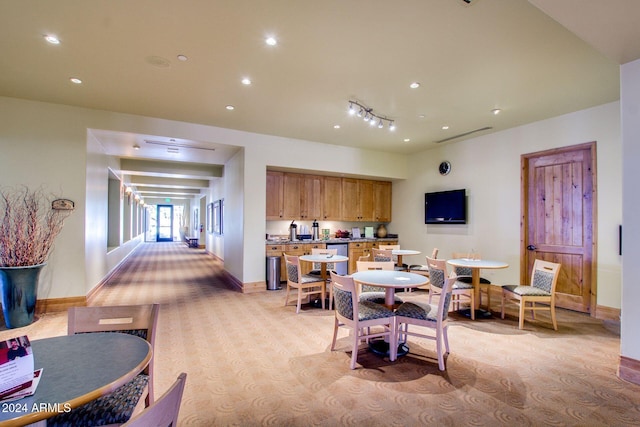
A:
[354,352]
[553,316]
[393,340]
[445,335]
[299,300]
[502,305]
[336,325]
[521,315]
[439,340]
[286,296]
[324,293]
[533,310]
[473,305]
[330,296]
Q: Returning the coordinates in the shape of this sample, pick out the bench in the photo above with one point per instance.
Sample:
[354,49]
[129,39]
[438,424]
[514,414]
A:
[192,242]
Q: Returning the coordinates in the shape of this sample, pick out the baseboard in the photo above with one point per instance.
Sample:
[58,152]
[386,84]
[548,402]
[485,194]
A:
[55,305]
[253,287]
[607,313]
[629,370]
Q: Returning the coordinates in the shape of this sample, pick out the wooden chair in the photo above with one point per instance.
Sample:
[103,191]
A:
[423,269]
[116,407]
[375,294]
[437,277]
[544,278]
[383,255]
[434,318]
[304,283]
[360,317]
[464,275]
[164,412]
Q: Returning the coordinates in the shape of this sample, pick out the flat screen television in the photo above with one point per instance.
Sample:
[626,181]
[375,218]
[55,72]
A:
[445,207]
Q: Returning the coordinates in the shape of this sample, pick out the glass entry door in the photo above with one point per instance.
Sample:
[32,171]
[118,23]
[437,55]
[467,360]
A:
[164,223]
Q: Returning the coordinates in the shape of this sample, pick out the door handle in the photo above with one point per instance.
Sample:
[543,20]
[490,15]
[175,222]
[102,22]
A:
[531,248]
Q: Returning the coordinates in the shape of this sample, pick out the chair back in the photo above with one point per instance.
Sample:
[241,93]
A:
[138,320]
[445,298]
[388,247]
[345,295]
[381,255]
[164,412]
[434,253]
[366,257]
[437,271]
[293,267]
[321,251]
[544,275]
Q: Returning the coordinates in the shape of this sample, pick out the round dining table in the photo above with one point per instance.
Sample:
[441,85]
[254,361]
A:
[76,369]
[390,280]
[323,260]
[402,252]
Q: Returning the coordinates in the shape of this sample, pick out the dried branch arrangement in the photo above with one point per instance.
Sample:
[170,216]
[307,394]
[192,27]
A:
[28,226]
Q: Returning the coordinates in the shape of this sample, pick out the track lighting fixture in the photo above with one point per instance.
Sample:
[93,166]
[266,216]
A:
[355,108]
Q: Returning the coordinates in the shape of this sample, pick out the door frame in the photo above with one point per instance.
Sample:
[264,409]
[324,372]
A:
[158,238]
[525,275]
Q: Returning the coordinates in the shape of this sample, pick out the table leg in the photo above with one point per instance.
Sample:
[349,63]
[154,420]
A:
[478,312]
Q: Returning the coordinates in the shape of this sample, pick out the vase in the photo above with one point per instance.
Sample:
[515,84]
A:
[381,231]
[19,293]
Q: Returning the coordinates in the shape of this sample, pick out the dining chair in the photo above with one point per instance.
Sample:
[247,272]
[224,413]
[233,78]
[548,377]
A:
[437,277]
[432,317]
[464,275]
[116,407]
[305,284]
[404,267]
[423,269]
[164,411]
[542,289]
[360,317]
[375,293]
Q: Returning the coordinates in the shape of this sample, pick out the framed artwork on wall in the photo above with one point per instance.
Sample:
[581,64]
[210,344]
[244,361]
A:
[217,216]
[210,218]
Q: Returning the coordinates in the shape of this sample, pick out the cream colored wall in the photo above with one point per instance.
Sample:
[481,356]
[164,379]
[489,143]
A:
[630,110]
[489,168]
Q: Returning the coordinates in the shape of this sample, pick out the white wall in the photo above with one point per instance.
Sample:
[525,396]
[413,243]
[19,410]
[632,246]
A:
[489,168]
[630,111]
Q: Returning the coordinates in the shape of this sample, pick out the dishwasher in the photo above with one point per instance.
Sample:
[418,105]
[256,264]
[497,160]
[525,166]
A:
[343,249]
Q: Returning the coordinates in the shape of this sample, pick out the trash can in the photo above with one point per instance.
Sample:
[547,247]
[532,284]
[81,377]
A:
[273,273]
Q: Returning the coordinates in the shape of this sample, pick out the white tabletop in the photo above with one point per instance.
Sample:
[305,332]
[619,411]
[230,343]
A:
[323,258]
[477,263]
[390,279]
[404,252]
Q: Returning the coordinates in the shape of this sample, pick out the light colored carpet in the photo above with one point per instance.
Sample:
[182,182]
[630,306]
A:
[251,361]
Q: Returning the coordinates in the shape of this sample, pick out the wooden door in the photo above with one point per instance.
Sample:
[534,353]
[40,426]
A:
[366,205]
[311,197]
[382,199]
[558,221]
[292,188]
[350,205]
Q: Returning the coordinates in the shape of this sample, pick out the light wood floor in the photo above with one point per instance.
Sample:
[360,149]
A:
[251,361]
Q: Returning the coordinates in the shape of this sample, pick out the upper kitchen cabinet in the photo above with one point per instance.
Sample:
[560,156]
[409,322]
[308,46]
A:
[357,200]
[275,195]
[382,200]
[292,190]
[311,197]
[331,198]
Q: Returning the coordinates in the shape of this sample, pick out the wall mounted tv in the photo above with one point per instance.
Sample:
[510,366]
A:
[445,207]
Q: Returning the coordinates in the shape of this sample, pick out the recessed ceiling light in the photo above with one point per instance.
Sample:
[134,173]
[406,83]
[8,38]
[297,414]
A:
[271,41]
[230,107]
[246,81]
[52,39]
[445,127]
[421,116]
[336,126]
[75,80]
[182,58]
[414,85]
[136,147]
[496,111]
[406,140]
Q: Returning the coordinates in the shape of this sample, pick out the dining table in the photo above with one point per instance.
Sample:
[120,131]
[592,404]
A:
[76,369]
[323,260]
[399,253]
[476,265]
[390,280]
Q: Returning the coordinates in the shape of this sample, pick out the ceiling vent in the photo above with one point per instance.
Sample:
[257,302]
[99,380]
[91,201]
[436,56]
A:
[464,134]
[467,2]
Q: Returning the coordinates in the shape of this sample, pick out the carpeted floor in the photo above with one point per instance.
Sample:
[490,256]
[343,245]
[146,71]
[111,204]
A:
[251,361]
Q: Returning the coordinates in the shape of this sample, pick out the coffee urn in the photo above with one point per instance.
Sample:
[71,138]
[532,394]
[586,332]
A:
[315,230]
[293,234]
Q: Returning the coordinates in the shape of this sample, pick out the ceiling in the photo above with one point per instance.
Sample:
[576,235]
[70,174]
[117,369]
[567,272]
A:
[531,59]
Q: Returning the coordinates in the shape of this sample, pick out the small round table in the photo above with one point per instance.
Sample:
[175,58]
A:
[323,260]
[476,265]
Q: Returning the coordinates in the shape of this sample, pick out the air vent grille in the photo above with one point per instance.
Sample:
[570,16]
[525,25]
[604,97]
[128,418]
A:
[464,134]
[176,145]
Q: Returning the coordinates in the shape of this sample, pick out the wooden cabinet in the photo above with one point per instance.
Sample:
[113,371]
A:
[356,250]
[311,197]
[275,195]
[382,201]
[292,196]
[357,200]
[332,198]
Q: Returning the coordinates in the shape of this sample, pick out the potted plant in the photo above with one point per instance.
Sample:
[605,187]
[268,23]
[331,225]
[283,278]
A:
[30,221]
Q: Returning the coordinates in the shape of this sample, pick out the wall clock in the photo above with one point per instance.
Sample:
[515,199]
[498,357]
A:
[444,168]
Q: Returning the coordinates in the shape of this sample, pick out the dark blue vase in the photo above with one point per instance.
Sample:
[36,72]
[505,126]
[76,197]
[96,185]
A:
[19,294]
